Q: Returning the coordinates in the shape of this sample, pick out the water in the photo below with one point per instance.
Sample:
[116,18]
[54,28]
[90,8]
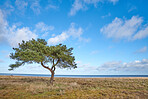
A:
[73,76]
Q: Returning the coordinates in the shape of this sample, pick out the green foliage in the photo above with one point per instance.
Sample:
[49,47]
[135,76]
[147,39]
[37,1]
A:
[37,51]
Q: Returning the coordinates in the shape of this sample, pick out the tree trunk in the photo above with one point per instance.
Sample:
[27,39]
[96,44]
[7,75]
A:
[51,70]
[52,77]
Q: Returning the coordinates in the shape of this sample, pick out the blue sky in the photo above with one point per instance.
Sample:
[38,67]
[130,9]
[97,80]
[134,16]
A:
[108,36]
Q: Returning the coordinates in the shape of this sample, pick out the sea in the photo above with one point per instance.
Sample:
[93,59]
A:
[72,76]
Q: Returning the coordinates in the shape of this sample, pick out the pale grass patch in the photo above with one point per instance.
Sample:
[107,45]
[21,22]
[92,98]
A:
[74,84]
[37,88]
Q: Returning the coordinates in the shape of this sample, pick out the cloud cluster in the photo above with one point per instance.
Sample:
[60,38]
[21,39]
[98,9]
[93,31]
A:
[50,6]
[13,35]
[58,39]
[86,67]
[113,1]
[108,15]
[3,26]
[8,7]
[71,32]
[21,5]
[131,29]
[16,35]
[82,5]
[135,66]
[132,8]
[43,28]
[35,6]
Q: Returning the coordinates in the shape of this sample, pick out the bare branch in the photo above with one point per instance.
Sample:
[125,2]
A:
[46,67]
[53,66]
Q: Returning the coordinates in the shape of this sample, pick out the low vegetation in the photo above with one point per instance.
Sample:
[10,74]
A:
[73,88]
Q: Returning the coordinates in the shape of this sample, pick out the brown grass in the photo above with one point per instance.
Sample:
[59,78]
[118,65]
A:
[16,87]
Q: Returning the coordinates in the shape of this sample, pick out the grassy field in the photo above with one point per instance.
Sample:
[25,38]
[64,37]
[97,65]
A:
[15,87]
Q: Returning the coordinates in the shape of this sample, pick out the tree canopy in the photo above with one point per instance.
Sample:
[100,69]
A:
[37,51]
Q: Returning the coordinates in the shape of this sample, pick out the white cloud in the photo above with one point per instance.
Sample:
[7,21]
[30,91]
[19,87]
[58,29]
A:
[84,39]
[143,33]
[14,35]
[142,50]
[83,5]
[135,66]
[75,32]
[17,35]
[43,28]
[132,8]
[86,67]
[3,26]
[114,1]
[110,65]
[58,39]
[51,7]
[108,15]
[35,6]
[8,8]
[76,7]
[21,5]
[125,29]
[71,32]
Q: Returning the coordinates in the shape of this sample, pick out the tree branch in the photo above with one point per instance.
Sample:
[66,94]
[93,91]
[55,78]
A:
[53,61]
[46,67]
[53,66]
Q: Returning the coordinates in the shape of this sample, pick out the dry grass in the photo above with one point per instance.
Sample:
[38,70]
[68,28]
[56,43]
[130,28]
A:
[73,88]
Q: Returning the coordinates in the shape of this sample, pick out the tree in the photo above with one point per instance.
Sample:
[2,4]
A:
[37,51]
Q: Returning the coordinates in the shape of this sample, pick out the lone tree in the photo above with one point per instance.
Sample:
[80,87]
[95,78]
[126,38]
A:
[37,51]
